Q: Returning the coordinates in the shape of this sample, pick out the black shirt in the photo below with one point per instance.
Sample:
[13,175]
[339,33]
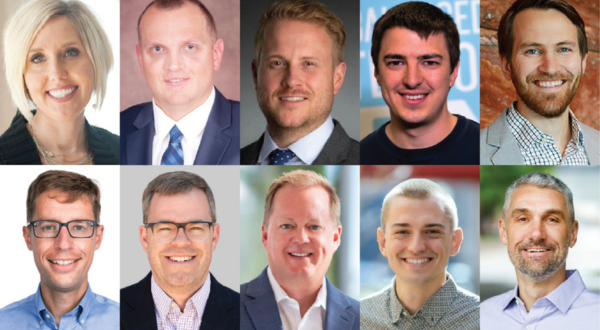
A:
[460,147]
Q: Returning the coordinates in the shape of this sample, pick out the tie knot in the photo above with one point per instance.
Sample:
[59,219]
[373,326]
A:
[281,157]
[175,134]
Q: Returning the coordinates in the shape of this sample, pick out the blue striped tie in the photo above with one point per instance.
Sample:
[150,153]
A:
[174,153]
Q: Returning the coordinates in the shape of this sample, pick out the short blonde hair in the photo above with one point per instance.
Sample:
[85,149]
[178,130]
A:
[303,179]
[23,27]
[304,11]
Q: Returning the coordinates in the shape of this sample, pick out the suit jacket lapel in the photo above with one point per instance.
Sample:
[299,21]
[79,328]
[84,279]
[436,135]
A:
[336,148]
[215,312]
[214,140]
[262,309]
[499,136]
[142,314]
[337,316]
[139,143]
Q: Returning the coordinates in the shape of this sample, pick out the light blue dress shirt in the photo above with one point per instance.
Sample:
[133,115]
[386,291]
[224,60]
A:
[93,312]
[569,306]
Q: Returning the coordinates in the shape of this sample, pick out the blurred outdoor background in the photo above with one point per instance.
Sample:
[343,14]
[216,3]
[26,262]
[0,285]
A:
[461,182]
[497,272]
[254,183]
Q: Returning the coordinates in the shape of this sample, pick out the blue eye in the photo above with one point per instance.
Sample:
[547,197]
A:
[190,47]
[532,51]
[156,49]
[37,58]
[286,226]
[314,227]
[71,52]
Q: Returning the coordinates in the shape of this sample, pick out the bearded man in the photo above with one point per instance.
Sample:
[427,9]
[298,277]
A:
[543,51]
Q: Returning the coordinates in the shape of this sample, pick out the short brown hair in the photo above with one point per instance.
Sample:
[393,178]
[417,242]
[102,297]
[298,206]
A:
[423,18]
[506,38]
[175,183]
[75,185]
[305,11]
[174,4]
[304,179]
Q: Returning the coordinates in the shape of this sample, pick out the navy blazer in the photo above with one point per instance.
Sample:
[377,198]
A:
[220,143]
[137,307]
[258,308]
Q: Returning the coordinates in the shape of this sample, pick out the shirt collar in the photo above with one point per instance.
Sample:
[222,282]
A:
[307,148]
[528,133]
[82,309]
[281,295]
[562,297]
[162,301]
[433,310]
[191,126]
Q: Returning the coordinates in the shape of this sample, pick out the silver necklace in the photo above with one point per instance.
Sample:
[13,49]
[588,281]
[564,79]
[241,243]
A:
[49,156]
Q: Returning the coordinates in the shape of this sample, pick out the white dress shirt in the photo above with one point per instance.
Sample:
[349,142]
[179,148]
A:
[168,314]
[289,309]
[307,149]
[191,126]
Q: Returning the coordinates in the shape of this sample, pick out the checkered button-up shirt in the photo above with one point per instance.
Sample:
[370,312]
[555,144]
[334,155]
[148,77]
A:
[168,314]
[538,148]
[450,308]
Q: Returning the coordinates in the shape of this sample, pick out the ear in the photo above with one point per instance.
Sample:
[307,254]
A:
[506,69]
[254,66]
[215,237]
[454,74]
[502,231]
[583,62]
[376,74]
[139,56]
[457,239]
[337,235]
[144,238]
[218,48]
[381,241]
[339,73]
[27,238]
[99,236]
[264,235]
[573,233]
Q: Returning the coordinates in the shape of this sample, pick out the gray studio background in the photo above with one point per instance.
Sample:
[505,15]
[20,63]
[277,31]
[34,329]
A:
[346,103]
[226,13]
[224,183]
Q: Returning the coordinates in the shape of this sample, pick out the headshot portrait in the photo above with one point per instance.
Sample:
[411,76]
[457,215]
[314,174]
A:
[539,242]
[57,56]
[419,248]
[300,253]
[180,248]
[419,83]
[299,82]
[180,82]
[539,69]
[68,223]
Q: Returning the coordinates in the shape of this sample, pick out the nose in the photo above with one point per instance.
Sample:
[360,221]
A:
[549,63]
[300,236]
[58,70]
[181,238]
[292,77]
[63,241]
[416,244]
[412,76]
[537,230]
[174,61]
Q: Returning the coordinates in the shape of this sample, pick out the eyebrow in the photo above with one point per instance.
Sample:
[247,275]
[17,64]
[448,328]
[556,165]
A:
[37,50]
[429,225]
[546,212]
[420,57]
[536,44]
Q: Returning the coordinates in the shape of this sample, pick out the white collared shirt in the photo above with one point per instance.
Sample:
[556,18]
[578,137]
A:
[289,309]
[307,149]
[191,126]
[168,314]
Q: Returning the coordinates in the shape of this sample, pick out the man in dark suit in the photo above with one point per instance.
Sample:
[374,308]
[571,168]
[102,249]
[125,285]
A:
[298,67]
[179,291]
[188,121]
[301,230]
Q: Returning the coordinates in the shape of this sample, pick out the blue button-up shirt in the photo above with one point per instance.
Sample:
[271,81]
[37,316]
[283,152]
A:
[92,312]
[569,306]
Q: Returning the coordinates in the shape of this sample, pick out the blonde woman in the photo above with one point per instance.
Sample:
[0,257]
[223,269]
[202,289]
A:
[56,55]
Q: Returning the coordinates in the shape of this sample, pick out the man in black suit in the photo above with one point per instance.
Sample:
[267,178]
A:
[297,69]
[179,235]
[178,52]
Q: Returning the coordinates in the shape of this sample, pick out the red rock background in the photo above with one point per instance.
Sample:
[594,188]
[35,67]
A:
[497,92]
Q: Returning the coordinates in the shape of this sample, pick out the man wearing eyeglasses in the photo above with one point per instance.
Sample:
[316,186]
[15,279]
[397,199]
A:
[179,234]
[63,230]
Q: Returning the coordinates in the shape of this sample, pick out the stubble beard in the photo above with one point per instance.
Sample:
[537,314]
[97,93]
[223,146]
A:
[548,105]
[538,271]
